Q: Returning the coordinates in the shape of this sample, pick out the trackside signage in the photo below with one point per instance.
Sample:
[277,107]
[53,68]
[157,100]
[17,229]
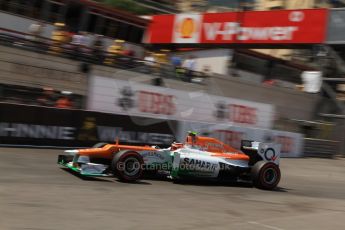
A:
[136,99]
[43,126]
[249,27]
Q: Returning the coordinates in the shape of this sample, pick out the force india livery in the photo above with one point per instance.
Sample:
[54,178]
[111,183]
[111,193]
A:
[198,158]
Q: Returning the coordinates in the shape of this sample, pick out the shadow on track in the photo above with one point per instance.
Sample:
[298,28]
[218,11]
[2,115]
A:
[281,189]
[224,184]
[185,182]
[134,182]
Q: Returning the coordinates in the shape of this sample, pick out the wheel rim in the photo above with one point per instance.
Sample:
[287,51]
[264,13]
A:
[270,176]
[131,166]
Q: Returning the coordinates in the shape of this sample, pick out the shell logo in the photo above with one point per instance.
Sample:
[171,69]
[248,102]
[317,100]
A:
[187,28]
[296,16]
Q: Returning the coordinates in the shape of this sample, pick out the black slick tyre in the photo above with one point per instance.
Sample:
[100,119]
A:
[265,175]
[128,166]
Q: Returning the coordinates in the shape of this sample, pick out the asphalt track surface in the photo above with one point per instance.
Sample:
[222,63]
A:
[35,193]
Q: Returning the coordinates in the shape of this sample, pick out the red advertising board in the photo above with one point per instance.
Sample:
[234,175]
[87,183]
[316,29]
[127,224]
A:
[250,27]
[160,29]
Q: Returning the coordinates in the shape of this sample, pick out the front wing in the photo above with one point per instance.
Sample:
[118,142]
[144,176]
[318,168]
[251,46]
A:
[87,169]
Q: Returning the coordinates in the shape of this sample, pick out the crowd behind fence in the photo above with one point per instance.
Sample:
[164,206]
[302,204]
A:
[45,96]
[98,54]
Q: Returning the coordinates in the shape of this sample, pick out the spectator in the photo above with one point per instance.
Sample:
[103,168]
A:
[114,51]
[80,42]
[128,51]
[78,39]
[60,37]
[76,43]
[98,48]
[189,65]
[150,62]
[127,59]
[47,98]
[176,61]
[161,58]
[64,102]
[85,39]
[36,30]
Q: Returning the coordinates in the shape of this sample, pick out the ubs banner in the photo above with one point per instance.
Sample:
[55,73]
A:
[291,143]
[135,99]
[32,125]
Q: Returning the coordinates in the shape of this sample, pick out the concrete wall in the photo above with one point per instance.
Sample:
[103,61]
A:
[26,68]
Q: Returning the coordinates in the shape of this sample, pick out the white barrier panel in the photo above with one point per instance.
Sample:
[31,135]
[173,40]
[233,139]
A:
[136,99]
[291,143]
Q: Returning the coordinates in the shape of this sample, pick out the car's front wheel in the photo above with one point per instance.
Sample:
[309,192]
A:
[266,175]
[128,166]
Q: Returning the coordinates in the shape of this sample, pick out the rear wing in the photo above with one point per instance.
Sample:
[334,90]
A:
[257,151]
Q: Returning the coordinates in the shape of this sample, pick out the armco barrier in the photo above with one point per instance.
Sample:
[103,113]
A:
[320,148]
[40,126]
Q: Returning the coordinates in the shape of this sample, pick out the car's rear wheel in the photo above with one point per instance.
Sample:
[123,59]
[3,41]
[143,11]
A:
[128,166]
[266,175]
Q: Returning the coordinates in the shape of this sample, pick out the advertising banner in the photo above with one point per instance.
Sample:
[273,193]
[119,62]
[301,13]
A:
[41,126]
[249,27]
[291,143]
[136,99]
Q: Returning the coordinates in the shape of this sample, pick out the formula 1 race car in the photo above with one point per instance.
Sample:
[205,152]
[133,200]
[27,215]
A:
[198,158]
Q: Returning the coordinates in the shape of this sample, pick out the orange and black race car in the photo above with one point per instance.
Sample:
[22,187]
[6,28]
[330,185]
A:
[199,157]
